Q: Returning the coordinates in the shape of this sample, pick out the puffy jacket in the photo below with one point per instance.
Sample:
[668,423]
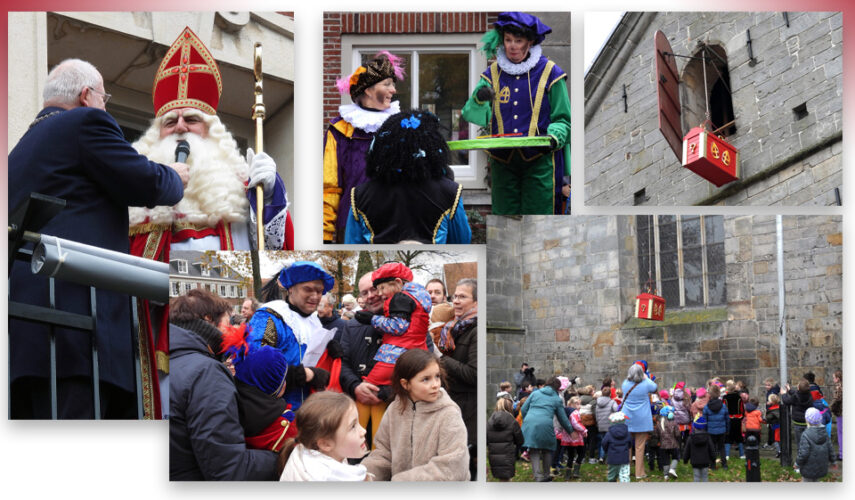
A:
[682,404]
[605,406]
[799,402]
[718,420]
[206,440]
[503,437]
[815,453]
[669,438]
[616,444]
[699,449]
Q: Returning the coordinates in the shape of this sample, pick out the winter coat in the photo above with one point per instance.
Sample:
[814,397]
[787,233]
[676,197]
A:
[312,465]
[537,412]
[718,420]
[699,449]
[605,406]
[461,368]
[587,408]
[636,405]
[753,418]
[359,344]
[206,440]
[577,437]
[503,437]
[682,407]
[799,402]
[815,453]
[616,444]
[698,406]
[669,438]
[427,442]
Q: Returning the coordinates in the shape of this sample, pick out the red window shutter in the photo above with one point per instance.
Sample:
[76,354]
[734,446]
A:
[668,94]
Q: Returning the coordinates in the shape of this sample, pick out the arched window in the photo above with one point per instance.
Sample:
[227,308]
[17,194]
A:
[718,88]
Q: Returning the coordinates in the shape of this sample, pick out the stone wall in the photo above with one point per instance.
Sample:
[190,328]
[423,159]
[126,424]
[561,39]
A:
[579,282]
[785,160]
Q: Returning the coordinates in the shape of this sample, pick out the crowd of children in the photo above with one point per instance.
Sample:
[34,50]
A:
[696,425]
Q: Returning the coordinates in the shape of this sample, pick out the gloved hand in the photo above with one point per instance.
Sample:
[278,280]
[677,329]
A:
[320,380]
[363,316]
[334,349]
[262,170]
[485,94]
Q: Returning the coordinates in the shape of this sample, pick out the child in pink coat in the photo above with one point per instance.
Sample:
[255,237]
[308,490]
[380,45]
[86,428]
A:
[574,441]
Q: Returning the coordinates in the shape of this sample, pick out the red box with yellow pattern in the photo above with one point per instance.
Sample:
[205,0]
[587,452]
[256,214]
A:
[649,306]
[710,157]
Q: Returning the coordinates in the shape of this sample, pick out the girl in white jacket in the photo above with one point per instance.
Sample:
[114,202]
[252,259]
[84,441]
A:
[328,433]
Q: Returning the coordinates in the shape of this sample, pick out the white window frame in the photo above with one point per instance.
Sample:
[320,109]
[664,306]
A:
[222,289]
[471,175]
[204,269]
[174,288]
[181,264]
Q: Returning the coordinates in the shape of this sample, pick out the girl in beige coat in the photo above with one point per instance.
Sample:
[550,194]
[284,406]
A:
[422,436]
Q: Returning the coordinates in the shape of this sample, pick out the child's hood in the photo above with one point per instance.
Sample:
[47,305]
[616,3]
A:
[619,430]
[715,405]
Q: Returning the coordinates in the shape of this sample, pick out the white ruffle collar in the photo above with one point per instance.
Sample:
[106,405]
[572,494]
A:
[367,120]
[520,68]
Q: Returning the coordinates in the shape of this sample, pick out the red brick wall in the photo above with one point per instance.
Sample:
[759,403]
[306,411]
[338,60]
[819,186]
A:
[337,24]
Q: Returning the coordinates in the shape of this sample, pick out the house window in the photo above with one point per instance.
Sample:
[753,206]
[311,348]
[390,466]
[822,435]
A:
[204,269]
[718,87]
[683,257]
[232,291]
[182,266]
[222,290]
[441,72]
[188,287]
[174,288]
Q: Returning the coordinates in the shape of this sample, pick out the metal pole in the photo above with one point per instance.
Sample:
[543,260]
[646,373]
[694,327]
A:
[782,341]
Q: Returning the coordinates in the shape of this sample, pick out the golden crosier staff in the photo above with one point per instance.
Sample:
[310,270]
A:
[258,116]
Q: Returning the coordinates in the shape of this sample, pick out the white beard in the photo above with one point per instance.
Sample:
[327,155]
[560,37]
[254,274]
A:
[215,191]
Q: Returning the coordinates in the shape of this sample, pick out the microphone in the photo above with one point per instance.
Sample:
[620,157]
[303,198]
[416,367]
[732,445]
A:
[182,150]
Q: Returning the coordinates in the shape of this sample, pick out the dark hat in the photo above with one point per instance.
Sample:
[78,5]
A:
[384,65]
[526,22]
[700,424]
[264,368]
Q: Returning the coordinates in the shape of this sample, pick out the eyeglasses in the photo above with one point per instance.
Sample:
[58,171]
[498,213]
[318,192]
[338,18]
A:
[460,296]
[104,96]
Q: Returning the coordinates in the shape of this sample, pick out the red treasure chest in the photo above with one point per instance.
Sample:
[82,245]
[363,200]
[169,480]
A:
[649,306]
[710,157]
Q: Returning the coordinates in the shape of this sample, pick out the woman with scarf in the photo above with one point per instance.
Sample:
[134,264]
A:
[459,348]
[349,135]
[522,93]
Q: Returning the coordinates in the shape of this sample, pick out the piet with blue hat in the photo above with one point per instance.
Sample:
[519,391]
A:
[522,94]
[303,271]
[285,326]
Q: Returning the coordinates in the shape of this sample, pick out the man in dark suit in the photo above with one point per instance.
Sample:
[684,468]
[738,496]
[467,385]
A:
[75,151]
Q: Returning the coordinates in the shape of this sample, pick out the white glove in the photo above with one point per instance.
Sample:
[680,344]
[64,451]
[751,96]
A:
[262,170]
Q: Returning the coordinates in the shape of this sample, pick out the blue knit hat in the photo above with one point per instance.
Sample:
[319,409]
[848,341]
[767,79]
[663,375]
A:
[264,368]
[700,424]
[667,412]
[303,271]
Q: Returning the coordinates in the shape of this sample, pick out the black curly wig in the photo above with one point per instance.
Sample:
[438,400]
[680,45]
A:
[518,31]
[409,147]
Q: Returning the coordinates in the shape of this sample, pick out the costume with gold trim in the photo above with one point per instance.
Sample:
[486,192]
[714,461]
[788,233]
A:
[430,212]
[531,99]
[188,77]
